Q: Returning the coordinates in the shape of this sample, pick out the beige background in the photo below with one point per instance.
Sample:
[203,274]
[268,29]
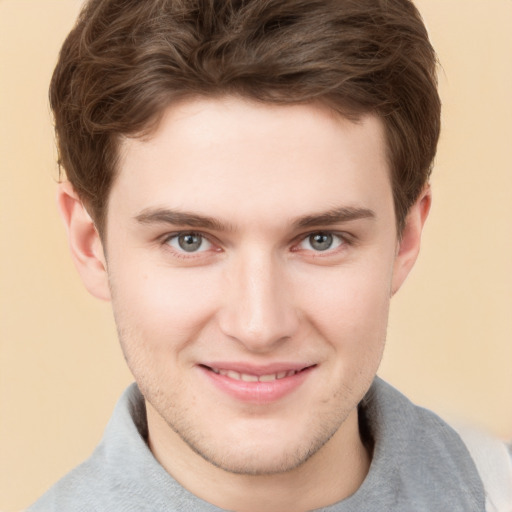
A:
[450,337]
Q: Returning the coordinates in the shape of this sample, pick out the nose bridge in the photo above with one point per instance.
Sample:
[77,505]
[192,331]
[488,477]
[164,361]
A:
[259,310]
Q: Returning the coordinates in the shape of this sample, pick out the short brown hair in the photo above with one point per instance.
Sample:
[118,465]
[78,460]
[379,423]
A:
[125,61]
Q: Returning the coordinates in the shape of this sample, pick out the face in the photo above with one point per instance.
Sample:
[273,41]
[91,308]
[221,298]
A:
[251,254]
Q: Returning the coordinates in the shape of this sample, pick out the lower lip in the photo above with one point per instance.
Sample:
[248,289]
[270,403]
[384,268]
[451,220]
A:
[257,392]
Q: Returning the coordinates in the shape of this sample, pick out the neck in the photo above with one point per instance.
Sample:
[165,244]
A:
[333,473]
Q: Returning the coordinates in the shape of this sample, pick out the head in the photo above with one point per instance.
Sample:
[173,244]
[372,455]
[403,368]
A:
[120,68]
[256,176]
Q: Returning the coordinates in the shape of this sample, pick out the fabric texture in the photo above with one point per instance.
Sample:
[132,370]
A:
[494,463]
[419,463]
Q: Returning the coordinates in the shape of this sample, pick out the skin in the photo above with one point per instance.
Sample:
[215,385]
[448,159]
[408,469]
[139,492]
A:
[257,292]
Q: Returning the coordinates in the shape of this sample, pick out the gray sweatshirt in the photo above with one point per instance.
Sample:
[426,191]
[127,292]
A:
[419,464]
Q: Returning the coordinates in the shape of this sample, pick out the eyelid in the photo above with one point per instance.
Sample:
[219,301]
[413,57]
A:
[165,239]
[345,238]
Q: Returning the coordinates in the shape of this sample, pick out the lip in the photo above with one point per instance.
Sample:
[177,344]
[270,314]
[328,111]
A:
[257,392]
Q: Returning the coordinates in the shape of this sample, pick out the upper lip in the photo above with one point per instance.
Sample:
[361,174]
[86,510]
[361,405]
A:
[258,370]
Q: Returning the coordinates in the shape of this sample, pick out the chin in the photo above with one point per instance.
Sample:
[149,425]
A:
[262,454]
[254,464]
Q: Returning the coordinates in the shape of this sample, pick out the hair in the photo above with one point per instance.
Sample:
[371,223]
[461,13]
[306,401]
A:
[125,61]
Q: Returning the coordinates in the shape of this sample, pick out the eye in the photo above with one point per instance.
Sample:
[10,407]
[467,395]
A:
[321,241]
[189,242]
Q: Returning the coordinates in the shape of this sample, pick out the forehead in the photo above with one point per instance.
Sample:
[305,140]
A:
[221,157]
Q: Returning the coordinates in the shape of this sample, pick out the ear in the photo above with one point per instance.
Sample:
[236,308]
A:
[409,244]
[84,242]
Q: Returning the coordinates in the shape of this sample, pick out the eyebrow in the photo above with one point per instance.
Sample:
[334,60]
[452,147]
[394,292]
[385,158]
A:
[334,216]
[177,218]
[194,220]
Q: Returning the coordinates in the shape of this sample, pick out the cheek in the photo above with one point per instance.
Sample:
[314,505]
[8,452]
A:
[161,307]
[351,308]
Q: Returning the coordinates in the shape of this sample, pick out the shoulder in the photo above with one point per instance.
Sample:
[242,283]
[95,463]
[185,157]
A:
[464,445]
[493,461]
[418,456]
[75,492]
[457,462]
[89,486]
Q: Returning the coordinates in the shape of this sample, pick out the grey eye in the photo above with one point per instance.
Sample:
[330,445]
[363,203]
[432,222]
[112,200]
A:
[189,242]
[321,241]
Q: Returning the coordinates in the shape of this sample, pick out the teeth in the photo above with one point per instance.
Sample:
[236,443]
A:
[267,378]
[246,377]
[249,378]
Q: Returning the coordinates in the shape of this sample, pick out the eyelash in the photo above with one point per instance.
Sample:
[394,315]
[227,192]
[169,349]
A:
[182,253]
[345,240]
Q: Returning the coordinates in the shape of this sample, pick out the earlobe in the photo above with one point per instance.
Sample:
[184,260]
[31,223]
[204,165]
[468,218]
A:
[409,245]
[84,242]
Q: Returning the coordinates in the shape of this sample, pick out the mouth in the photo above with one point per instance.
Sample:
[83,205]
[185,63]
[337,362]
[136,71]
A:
[250,377]
[257,384]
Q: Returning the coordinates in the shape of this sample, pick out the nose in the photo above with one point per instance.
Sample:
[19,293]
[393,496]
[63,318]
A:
[258,309]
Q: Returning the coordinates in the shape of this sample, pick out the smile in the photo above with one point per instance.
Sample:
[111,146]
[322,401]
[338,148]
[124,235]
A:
[247,377]
[257,384]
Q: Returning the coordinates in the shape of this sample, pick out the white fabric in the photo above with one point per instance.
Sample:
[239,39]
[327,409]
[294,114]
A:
[494,463]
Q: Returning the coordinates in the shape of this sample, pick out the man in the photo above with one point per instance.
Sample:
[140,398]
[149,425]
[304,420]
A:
[247,183]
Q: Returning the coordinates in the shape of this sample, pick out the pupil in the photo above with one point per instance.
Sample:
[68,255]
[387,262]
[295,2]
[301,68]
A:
[190,242]
[321,241]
